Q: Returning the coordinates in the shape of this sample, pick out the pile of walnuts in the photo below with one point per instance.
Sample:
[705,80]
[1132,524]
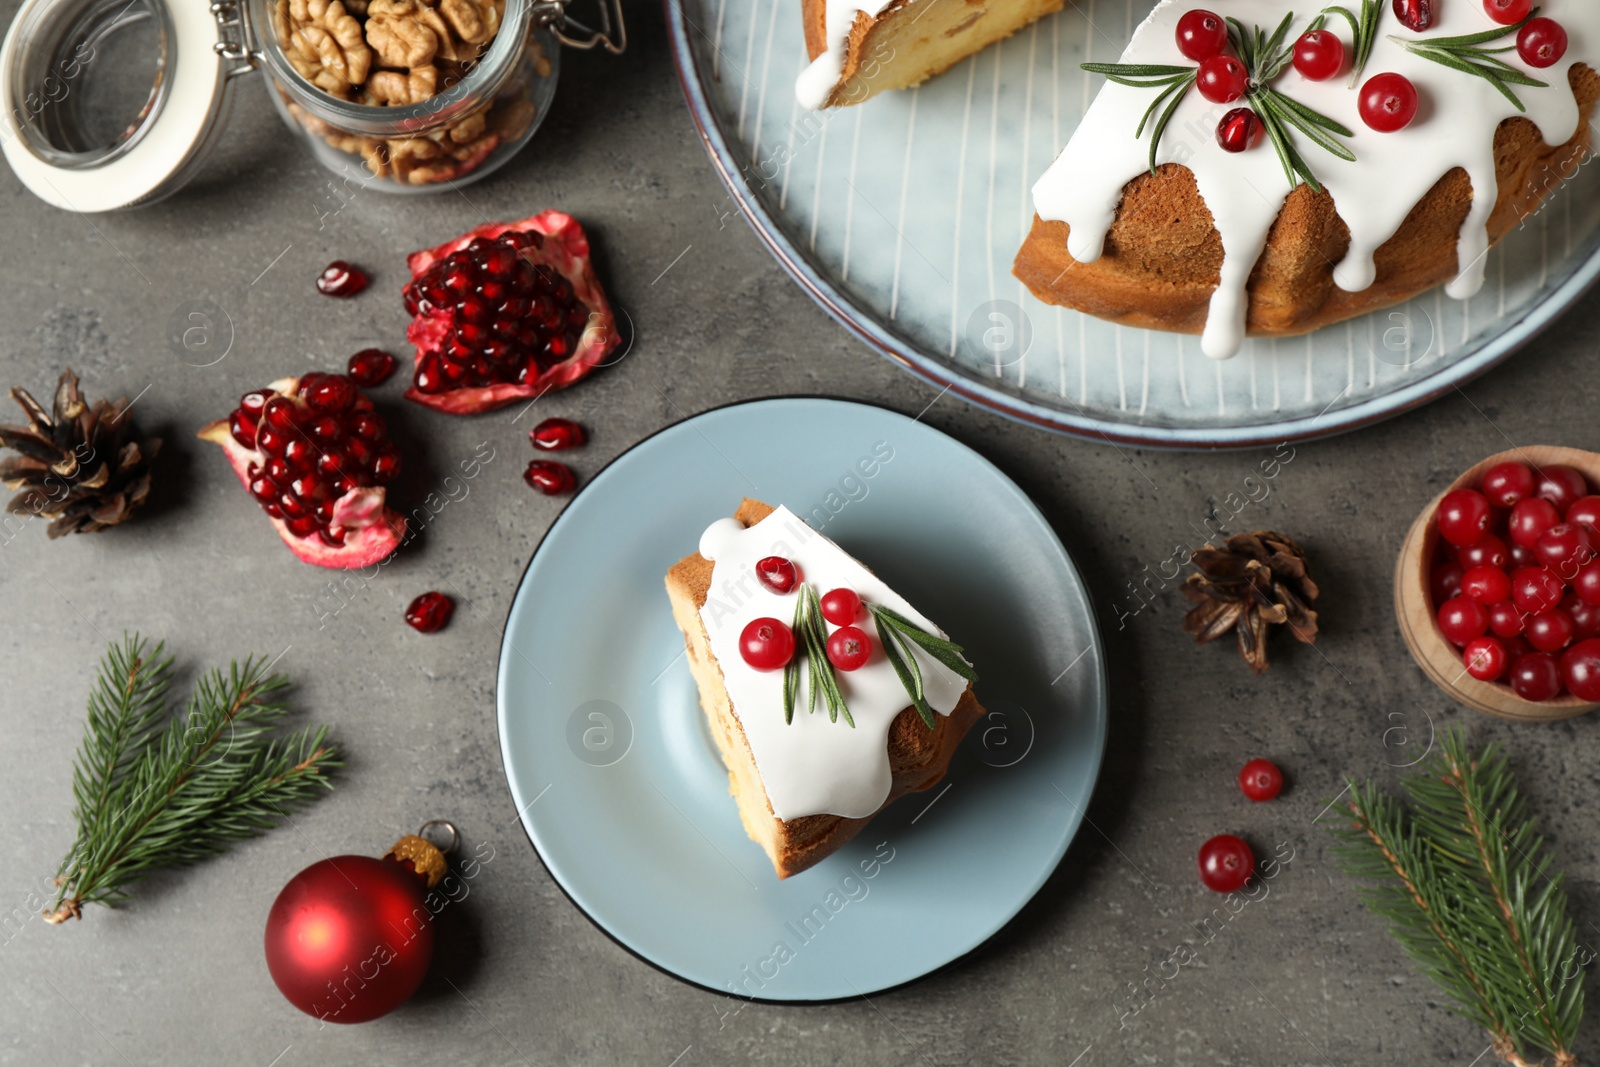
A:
[396,53]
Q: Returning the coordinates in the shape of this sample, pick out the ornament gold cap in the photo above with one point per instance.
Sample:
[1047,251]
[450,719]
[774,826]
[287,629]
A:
[423,855]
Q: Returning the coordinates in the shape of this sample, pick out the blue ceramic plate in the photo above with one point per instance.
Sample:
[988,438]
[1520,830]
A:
[615,776]
[902,216]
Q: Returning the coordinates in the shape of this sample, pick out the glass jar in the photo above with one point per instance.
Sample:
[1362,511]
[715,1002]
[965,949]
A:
[438,122]
[107,104]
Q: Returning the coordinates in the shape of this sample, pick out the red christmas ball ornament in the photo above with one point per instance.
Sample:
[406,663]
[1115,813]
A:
[350,938]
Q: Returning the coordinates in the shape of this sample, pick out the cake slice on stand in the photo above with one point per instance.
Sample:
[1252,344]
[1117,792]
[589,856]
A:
[859,48]
[828,695]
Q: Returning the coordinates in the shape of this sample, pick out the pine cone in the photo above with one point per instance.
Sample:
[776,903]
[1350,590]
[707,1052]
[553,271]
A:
[1257,582]
[85,467]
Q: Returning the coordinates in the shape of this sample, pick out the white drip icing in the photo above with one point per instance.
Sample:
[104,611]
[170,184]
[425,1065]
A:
[818,80]
[811,766]
[1455,127]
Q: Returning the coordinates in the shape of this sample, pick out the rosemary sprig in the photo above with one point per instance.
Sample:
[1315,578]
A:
[1174,82]
[1265,58]
[1363,29]
[897,632]
[1466,54]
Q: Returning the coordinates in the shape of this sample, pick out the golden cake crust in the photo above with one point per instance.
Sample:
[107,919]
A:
[918,756]
[1163,255]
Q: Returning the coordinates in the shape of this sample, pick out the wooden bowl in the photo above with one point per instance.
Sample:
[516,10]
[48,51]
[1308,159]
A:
[1438,658]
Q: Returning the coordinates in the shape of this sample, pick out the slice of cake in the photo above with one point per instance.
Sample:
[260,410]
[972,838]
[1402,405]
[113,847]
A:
[808,667]
[859,48]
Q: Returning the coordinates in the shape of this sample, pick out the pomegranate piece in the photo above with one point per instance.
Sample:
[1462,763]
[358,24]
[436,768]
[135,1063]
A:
[371,366]
[550,478]
[505,313]
[430,612]
[315,457]
[553,435]
[1417,15]
[341,279]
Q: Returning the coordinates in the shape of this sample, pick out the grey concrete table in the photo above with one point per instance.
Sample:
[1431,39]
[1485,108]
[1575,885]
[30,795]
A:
[1304,976]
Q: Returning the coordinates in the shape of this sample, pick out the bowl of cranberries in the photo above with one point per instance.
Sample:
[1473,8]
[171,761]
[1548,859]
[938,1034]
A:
[1498,585]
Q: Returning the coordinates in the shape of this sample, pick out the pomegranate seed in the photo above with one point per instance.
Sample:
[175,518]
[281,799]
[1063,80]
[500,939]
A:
[550,478]
[430,612]
[279,413]
[329,392]
[341,279]
[372,366]
[1417,15]
[1240,129]
[778,574]
[243,432]
[385,467]
[326,428]
[553,435]
[368,426]
[299,454]
[251,403]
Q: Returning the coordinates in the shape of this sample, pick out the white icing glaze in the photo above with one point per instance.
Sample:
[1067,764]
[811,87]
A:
[717,535]
[1455,127]
[812,766]
[817,81]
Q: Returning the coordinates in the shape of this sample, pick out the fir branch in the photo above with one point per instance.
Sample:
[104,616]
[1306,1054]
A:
[1461,875]
[1466,54]
[155,791]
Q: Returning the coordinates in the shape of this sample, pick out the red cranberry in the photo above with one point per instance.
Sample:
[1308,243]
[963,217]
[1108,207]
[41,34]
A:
[1461,620]
[1507,12]
[1201,35]
[1522,556]
[430,612]
[1507,620]
[1551,631]
[1580,670]
[550,478]
[341,279]
[1587,582]
[1489,552]
[1464,517]
[766,644]
[841,606]
[1389,102]
[1226,863]
[553,435]
[1486,585]
[1530,519]
[1585,512]
[1486,659]
[849,648]
[1260,780]
[1562,486]
[1564,548]
[371,366]
[1415,14]
[1319,55]
[1506,483]
[1585,617]
[779,575]
[1446,581]
[1239,130]
[1542,43]
[1536,677]
[1536,589]
[1222,79]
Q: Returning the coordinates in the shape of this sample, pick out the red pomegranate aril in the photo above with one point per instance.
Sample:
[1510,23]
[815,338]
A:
[849,648]
[1542,43]
[1461,620]
[1564,548]
[332,393]
[1536,589]
[369,426]
[1222,79]
[371,366]
[1486,659]
[777,574]
[252,403]
[1551,631]
[1486,585]
[1446,582]
[1507,12]
[292,507]
[264,489]
[298,453]
[279,413]
[278,471]
[1417,15]
[341,279]
[430,612]
[766,644]
[1226,863]
[1507,620]
[1201,34]
[550,478]
[1530,519]
[243,432]
[1464,517]
[1506,483]
[1580,670]
[1561,485]
[304,526]
[1536,677]
[1491,551]
[1260,780]
[841,606]
[1389,102]
[325,429]
[553,435]
[1319,55]
[385,467]
[1239,130]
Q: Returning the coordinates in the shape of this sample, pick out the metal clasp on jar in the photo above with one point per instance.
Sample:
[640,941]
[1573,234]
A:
[611,34]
